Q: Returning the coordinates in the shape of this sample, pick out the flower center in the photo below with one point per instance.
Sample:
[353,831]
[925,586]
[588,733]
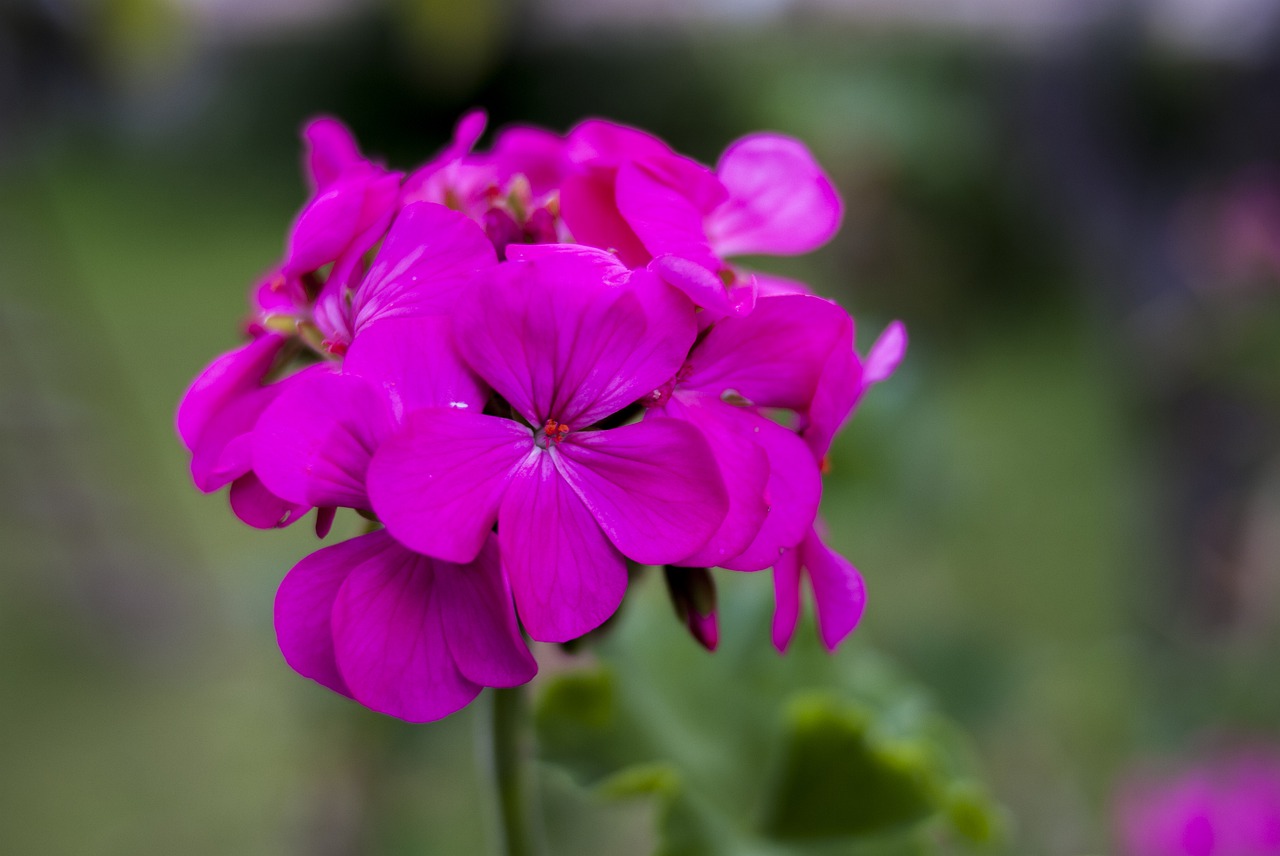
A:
[554,432]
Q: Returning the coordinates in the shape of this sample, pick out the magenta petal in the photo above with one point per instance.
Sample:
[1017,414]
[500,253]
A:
[663,217]
[774,356]
[314,443]
[654,487]
[224,451]
[429,255]
[794,491]
[601,143]
[304,604]
[331,150]
[786,595]
[838,591]
[566,576]
[701,285]
[537,154]
[233,374]
[259,507]
[771,285]
[780,201]
[437,483]
[389,638]
[326,226]
[590,211]
[743,466]
[480,621]
[415,361]
[843,382]
[886,354]
[467,132]
[559,342]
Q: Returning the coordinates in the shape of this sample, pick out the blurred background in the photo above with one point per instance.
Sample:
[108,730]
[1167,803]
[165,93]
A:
[1066,504]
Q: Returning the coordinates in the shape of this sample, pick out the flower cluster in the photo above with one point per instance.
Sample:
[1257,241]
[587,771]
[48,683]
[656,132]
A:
[1229,806]
[532,366]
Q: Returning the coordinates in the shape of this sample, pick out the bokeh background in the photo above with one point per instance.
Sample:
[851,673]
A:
[1066,504]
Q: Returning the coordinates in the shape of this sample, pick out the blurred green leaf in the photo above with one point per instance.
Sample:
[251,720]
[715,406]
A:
[749,752]
[836,778]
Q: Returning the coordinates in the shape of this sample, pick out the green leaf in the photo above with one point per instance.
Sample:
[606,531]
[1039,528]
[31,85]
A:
[838,779]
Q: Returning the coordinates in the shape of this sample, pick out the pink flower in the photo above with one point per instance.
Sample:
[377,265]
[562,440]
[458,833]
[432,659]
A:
[512,190]
[567,347]
[1227,807]
[400,632]
[631,193]
[426,258]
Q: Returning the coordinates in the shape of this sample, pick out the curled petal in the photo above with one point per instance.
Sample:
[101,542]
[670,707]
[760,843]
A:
[843,382]
[566,576]
[344,220]
[794,491]
[331,150]
[780,201]
[389,637]
[224,451]
[259,507]
[743,466]
[437,483]
[654,487]
[231,375]
[663,216]
[838,591]
[774,356]
[786,594]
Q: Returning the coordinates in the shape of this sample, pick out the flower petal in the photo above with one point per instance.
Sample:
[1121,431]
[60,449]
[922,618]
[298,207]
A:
[559,341]
[233,374]
[304,604]
[331,150]
[429,255]
[259,507]
[838,591]
[654,487]
[786,595]
[224,450]
[743,466]
[775,355]
[437,483]
[590,211]
[780,201]
[480,621]
[663,216]
[566,576]
[794,491]
[389,639]
[843,382]
[706,289]
[415,360]
[343,221]
[314,443]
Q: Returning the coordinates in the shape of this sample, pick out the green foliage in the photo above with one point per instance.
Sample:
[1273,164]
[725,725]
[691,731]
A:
[748,752]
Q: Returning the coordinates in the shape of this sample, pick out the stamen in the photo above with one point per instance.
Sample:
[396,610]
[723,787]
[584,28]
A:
[555,431]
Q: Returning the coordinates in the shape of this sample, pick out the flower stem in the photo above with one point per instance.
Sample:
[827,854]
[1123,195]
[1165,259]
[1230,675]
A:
[508,751]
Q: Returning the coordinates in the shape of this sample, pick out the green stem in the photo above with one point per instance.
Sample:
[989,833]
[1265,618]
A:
[508,753]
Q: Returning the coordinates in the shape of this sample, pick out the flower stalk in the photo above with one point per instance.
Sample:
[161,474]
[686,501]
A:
[505,746]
